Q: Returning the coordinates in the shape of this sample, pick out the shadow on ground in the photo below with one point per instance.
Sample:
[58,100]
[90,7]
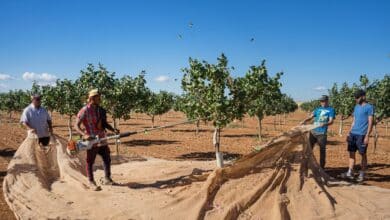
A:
[370,176]
[208,156]
[145,143]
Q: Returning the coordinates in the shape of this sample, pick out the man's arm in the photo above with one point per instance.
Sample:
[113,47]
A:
[79,130]
[49,122]
[329,122]
[308,119]
[370,125]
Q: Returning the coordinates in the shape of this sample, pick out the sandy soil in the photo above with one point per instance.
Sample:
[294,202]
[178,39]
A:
[180,143]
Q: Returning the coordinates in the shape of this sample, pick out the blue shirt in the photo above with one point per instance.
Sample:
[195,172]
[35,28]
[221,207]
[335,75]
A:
[322,115]
[37,118]
[360,115]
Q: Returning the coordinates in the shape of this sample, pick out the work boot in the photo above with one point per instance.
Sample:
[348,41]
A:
[92,185]
[108,181]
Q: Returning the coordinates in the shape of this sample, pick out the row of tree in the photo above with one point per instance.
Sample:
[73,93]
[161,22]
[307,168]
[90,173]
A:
[210,93]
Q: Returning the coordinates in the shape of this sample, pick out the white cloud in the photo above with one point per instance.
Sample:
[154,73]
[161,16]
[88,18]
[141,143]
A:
[3,86]
[5,77]
[42,79]
[162,79]
[320,88]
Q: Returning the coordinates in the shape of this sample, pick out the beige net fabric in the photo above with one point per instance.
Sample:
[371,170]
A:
[281,181]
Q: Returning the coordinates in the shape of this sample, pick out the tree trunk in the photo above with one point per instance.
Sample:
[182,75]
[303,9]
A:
[197,127]
[116,140]
[285,118]
[387,126]
[10,114]
[259,128]
[216,143]
[280,121]
[242,123]
[70,127]
[341,126]
[152,121]
[275,119]
[375,137]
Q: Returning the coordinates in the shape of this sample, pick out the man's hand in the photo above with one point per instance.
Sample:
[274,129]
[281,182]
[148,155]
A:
[51,130]
[87,137]
[302,123]
[347,138]
[117,131]
[32,130]
[366,138]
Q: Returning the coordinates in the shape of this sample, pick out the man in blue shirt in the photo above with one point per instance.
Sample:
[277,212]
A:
[358,137]
[323,117]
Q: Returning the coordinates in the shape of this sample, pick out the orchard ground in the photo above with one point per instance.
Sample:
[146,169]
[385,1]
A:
[181,143]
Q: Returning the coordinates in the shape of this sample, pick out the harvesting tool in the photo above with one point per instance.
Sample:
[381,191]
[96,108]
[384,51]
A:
[73,147]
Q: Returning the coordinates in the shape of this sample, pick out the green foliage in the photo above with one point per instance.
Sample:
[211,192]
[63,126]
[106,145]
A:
[98,78]
[127,95]
[14,101]
[378,93]
[209,92]
[158,103]
[262,91]
[69,97]
[310,105]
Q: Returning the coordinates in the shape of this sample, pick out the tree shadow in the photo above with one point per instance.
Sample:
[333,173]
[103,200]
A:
[336,172]
[3,174]
[191,130]
[334,142]
[197,175]
[7,152]
[145,143]
[244,135]
[208,156]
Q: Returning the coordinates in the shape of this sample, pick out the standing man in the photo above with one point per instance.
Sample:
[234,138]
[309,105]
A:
[323,117]
[358,136]
[37,120]
[94,119]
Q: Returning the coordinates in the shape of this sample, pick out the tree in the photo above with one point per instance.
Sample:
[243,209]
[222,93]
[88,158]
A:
[14,101]
[262,93]
[209,93]
[157,104]
[310,105]
[70,101]
[342,100]
[378,93]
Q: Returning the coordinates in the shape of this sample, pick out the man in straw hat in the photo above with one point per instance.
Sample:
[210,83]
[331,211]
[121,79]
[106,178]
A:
[94,119]
[323,117]
[37,120]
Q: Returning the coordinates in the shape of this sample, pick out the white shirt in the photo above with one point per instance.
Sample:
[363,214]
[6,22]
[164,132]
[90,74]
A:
[37,118]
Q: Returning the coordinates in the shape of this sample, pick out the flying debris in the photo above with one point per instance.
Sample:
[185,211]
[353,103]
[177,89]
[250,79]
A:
[175,79]
[190,24]
[233,68]
[252,39]
[179,36]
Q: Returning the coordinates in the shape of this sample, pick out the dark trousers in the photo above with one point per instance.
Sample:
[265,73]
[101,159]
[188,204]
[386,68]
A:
[321,140]
[104,152]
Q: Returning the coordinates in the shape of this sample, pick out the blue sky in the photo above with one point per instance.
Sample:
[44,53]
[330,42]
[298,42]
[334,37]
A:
[315,43]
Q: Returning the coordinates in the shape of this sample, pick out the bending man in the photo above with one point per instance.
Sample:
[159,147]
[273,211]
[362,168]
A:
[323,116]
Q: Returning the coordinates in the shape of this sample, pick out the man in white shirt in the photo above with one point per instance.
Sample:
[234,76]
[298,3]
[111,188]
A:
[37,120]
